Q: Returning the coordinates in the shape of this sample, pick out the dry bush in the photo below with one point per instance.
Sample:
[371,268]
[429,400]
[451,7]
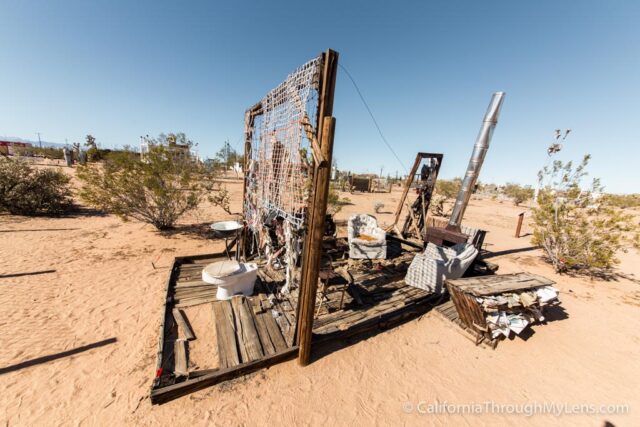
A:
[518,193]
[158,190]
[578,232]
[335,202]
[25,190]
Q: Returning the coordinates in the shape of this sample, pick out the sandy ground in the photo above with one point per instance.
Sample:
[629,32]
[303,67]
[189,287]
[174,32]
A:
[79,340]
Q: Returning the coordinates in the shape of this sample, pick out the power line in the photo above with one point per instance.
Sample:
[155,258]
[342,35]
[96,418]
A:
[375,122]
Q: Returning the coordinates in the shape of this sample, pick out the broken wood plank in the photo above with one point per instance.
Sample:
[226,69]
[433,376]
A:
[265,339]
[275,333]
[183,324]
[246,334]
[181,362]
[164,394]
[226,335]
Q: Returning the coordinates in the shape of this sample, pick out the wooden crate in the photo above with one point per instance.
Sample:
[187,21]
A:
[464,292]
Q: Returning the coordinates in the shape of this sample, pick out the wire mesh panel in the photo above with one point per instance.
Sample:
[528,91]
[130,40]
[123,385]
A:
[280,166]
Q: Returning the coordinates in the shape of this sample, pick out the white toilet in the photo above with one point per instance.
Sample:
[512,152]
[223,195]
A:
[231,277]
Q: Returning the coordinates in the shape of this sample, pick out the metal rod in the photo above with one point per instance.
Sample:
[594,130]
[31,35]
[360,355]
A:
[477,158]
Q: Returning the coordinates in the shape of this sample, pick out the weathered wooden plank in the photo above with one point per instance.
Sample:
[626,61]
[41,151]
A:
[275,333]
[226,335]
[490,285]
[181,363]
[246,334]
[194,302]
[183,324]
[165,394]
[268,346]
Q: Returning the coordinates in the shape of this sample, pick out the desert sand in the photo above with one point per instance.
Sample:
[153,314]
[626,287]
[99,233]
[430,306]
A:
[79,339]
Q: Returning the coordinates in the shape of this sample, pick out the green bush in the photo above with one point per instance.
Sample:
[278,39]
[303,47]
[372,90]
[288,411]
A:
[25,190]
[158,190]
[448,188]
[335,202]
[577,231]
[518,193]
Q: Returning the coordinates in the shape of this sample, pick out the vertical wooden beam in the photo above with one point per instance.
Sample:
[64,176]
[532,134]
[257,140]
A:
[307,300]
[249,119]
[326,91]
[407,185]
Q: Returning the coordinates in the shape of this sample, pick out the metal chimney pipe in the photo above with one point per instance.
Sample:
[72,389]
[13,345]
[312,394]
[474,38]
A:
[477,157]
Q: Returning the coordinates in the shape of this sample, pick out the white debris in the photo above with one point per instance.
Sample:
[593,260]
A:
[514,311]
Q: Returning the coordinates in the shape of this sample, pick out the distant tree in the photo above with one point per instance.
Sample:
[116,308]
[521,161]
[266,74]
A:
[90,142]
[94,154]
[178,138]
[227,156]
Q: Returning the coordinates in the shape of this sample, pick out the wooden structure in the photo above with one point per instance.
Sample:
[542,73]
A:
[464,291]
[363,184]
[417,213]
[247,335]
[273,324]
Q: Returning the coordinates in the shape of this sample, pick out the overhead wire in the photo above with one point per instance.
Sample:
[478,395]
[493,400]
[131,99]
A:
[375,122]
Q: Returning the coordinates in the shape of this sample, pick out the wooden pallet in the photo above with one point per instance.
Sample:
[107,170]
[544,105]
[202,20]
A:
[248,336]
[464,292]
[448,313]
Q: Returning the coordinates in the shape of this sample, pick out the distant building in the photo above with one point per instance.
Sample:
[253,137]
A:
[8,147]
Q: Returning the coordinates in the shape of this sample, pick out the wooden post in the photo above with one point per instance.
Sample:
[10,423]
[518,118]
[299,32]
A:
[520,218]
[316,215]
[307,300]
[407,186]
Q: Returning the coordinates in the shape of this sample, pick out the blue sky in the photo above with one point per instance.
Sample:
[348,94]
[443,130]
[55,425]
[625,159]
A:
[119,70]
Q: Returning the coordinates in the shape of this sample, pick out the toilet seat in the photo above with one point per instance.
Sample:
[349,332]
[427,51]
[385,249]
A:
[215,272]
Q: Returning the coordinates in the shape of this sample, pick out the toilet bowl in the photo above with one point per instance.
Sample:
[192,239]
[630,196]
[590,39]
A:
[231,278]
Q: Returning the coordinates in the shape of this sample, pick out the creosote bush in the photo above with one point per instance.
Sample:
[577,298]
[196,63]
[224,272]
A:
[335,202]
[446,190]
[25,190]
[518,193]
[577,230]
[158,190]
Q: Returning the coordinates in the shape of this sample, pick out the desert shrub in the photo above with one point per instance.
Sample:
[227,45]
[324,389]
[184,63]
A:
[45,152]
[335,202]
[157,190]
[623,200]
[221,198]
[448,188]
[518,193]
[378,206]
[437,206]
[25,190]
[576,231]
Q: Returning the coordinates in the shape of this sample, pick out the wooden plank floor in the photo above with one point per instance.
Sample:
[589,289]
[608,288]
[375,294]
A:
[258,331]
[248,336]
